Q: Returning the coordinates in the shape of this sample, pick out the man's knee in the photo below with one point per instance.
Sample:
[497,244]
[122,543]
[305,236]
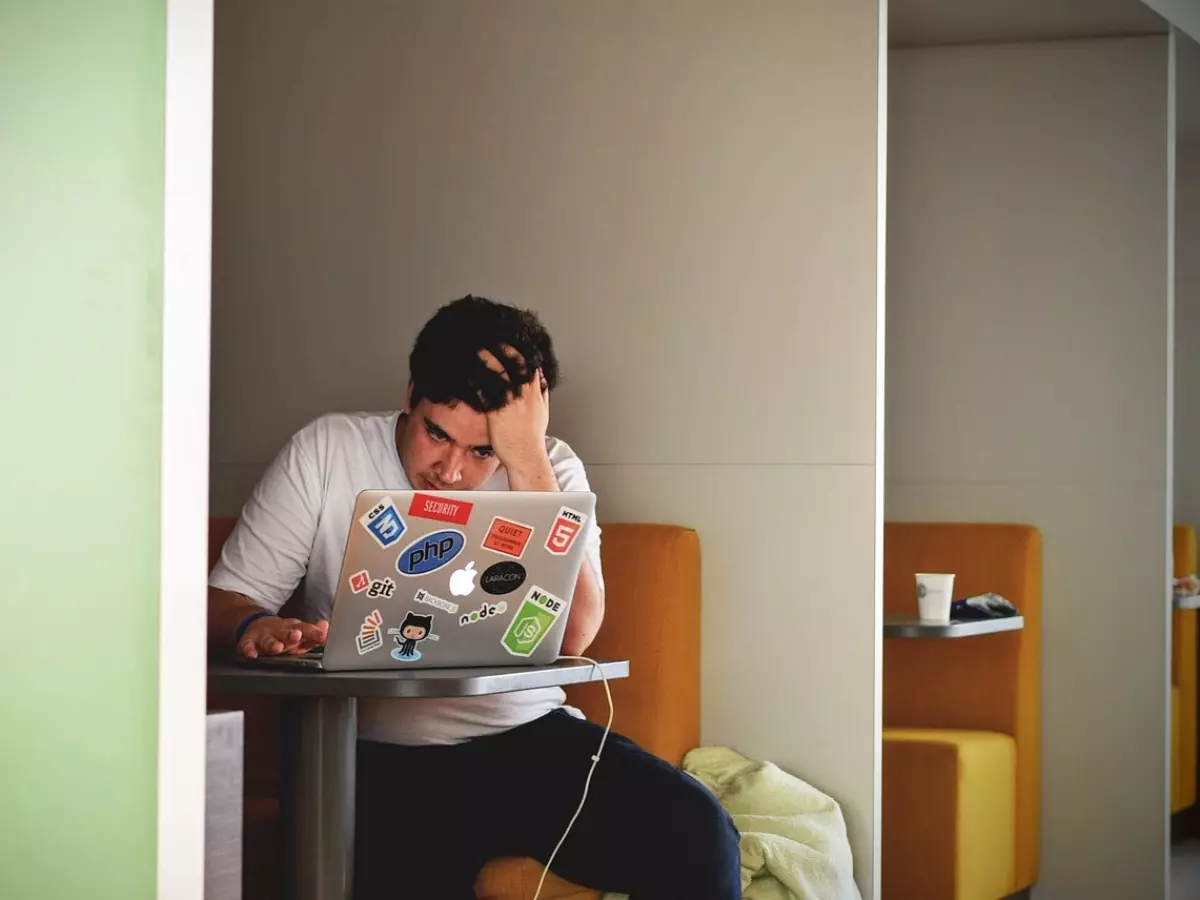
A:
[699,820]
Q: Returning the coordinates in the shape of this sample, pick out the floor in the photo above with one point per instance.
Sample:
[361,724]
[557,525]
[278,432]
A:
[1185,870]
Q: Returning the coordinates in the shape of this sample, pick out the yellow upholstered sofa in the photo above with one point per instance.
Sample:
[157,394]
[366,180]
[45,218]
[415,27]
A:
[658,706]
[962,721]
[1183,680]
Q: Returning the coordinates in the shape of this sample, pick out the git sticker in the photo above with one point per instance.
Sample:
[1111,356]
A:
[507,537]
[360,581]
[534,619]
[567,525]
[426,506]
[370,635]
[382,587]
[383,522]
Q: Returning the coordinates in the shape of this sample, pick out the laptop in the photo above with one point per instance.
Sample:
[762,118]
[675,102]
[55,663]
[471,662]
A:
[454,579]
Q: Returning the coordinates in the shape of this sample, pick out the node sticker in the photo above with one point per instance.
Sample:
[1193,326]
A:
[534,619]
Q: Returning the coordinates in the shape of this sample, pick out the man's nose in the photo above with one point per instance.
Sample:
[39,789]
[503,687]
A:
[452,466]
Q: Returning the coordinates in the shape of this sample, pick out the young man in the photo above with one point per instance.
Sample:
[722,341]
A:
[446,785]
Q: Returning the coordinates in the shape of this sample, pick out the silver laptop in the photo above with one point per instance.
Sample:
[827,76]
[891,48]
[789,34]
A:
[454,578]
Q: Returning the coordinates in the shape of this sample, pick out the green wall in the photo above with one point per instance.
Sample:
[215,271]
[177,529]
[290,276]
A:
[81,195]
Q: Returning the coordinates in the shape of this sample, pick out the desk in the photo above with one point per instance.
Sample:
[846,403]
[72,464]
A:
[320,736]
[912,627]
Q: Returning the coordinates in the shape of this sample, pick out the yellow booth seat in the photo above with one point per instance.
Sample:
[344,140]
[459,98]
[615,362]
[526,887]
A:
[962,721]
[1183,680]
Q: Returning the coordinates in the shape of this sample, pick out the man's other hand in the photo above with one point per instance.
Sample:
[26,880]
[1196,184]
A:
[272,636]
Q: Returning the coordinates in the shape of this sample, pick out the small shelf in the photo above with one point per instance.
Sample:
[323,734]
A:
[1187,602]
[912,627]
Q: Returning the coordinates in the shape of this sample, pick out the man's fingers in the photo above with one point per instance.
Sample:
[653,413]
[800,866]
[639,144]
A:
[246,648]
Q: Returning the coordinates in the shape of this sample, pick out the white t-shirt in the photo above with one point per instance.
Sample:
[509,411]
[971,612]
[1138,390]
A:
[292,533]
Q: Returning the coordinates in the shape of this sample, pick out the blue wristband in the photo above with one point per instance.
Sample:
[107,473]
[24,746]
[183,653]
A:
[241,629]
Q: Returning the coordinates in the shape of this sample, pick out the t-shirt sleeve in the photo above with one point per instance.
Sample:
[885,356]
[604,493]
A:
[267,554]
[568,469]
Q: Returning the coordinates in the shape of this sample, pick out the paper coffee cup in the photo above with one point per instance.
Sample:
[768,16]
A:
[935,591]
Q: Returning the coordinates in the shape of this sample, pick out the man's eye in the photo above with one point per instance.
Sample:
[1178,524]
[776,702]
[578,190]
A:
[436,435]
[484,452]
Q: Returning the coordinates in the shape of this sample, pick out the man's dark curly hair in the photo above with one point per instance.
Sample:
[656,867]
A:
[445,367]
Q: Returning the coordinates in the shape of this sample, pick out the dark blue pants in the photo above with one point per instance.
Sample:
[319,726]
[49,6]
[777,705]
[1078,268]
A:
[430,817]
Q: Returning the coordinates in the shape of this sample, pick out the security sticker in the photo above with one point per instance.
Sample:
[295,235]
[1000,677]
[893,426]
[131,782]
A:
[535,617]
[414,629]
[567,525]
[427,506]
[360,581]
[383,522]
[370,635]
[423,596]
[486,611]
[507,537]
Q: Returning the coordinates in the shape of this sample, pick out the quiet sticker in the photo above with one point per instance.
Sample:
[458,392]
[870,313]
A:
[507,537]
[370,635]
[534,619]
[383,522]
[427,506]
[414,629]
[423,596]
[360,581]
[563,532]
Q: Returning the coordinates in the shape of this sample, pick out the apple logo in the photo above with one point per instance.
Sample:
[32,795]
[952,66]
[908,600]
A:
[462,582]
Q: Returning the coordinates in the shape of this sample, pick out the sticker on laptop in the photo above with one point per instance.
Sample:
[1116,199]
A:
[507,537]
[382,587]
[370,635]
[360,581]
[428,506]
[423,596]
[430,552]
[462,581]
[503,577]
[535,617]
[383,522]
[414,629]
[567,525]
[486,611]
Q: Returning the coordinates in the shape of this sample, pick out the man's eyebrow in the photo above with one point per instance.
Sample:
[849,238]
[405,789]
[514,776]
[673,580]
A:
[433,426]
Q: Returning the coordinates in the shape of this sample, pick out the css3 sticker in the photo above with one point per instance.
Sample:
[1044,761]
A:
[429,553]
[563,532]
[383,522]
[414,629]
[534,619]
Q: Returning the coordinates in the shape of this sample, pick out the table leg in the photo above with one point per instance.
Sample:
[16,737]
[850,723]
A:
[320,737]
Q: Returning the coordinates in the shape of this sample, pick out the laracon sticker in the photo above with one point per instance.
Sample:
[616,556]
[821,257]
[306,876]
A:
[429,553]
[382,587]
[507,537]
[370,635]
[423,596]
[427,506]
[503,577]
[383,522]
[562,534]
[486,611]
[534,619]
[414,629]
[360,581]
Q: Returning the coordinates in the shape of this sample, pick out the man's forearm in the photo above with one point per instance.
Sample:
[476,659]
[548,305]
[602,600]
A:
[587,612]
[226,611]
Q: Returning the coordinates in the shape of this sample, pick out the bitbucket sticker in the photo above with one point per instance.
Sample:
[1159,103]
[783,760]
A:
[370,635]
[534,619]
[567,525]
[486,611]
[383,522]
[507,537]
[429,553]
[427,506]
[360,581]
[414,629]
[502,578]
[423,596]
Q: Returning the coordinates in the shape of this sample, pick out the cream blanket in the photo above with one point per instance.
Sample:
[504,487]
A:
[794,844]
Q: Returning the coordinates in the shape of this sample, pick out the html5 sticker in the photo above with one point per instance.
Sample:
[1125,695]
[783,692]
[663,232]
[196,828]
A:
[384,522]
[426,506]
[565,529]
[507,537]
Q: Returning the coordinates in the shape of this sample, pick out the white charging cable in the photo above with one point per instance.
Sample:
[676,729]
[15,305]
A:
[587,782]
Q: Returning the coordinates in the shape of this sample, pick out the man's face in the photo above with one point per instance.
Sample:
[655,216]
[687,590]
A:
[446,448]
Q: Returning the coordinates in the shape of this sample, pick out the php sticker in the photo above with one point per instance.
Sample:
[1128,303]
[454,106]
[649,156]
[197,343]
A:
[414,629]
[567,525]
[502,578]
[382,587]
[427,506]
[360,581]
[507,537]
[423,596]
[429,553]
[383,522]
[534,619]
[485,612]
[370,635]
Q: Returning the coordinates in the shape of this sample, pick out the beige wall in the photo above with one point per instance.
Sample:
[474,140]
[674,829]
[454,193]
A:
[1027,381]
[1187,334]
[687,191]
